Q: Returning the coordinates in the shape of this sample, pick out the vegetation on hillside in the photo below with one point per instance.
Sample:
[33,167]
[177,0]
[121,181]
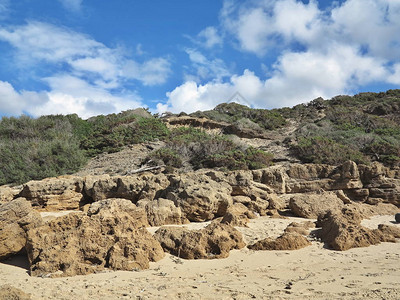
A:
[203,150]
[363,128]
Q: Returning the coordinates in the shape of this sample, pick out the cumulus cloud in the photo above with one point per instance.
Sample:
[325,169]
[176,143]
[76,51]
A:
[82,72]
[326,52]
[68,95]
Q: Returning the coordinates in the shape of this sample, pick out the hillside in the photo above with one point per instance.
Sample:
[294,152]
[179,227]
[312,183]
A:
[363,128]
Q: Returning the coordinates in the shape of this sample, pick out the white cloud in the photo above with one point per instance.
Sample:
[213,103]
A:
[209,37]
[215,69]
[326,52]
[84,76]
[296,78]
[4,7]
[40,42]
[72,5]
[68,95]
[152,72]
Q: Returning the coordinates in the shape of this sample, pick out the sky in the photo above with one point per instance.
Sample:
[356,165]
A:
[94,57]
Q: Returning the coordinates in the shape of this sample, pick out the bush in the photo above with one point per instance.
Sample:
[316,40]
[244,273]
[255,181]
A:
[203,150]
[322,150]
[37,148]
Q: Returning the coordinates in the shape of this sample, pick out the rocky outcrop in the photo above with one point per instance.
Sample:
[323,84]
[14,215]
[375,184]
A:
[8,193]
[162,212]
[16,217]
[111,234]
[214,241]
[287,241]
[8,292]
[312,205]
[199,196]
[52,194]
[342,230]
[204,195]
[238,215]
[389,231]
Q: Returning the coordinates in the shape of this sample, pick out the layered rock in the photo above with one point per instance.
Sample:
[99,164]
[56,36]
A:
[16,217]
[111,234]
[214,241]
[52,194]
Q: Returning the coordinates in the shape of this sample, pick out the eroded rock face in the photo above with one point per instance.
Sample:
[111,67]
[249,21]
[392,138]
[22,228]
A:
[16,217]
[199,196]
[111,234]
[342,230]
[8,193]
[52,194]
[8,292]
[238,215]
[214,241]
[287,241]
[162,212]
[312,205]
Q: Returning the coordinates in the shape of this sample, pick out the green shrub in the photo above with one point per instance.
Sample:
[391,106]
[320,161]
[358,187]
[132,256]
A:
[326,151]
[204,150]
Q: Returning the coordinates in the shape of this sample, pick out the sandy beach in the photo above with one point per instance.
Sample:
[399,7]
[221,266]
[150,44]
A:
[313,272]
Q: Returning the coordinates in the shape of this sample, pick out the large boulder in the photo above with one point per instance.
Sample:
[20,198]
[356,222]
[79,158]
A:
[287,241]
[111,234]
[142,186]
[199,196]
[52,194]
[16,217]
[311,205]
[214,241]
[342,230]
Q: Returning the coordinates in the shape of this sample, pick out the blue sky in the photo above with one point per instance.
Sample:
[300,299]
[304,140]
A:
[95,57]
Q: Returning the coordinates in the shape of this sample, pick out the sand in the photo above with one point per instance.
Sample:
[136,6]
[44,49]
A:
[313,272]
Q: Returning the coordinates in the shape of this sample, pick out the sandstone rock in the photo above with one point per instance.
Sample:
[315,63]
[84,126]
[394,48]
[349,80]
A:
[388,230]
[162,212]
[100,187]
[238,215]
[214,241]
[111,234]
[342,230]
[199,197]
[143,186]
[275,177]
[8,193]
[312,205]
[52,194]
[254,204]
[16,217]
[300,228]
[8,292]
[359,195]
[287,241]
